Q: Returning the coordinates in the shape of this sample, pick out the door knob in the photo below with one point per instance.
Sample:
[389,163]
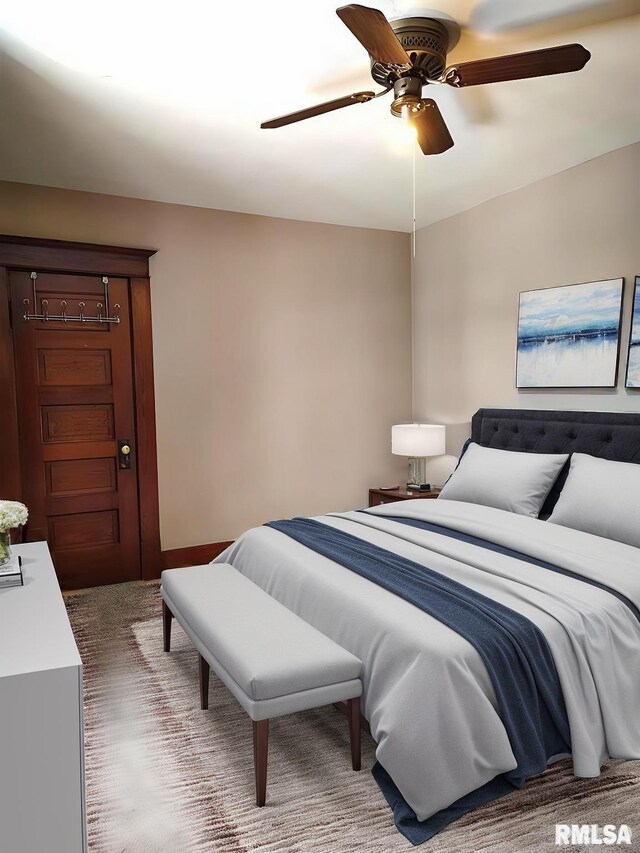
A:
[124,453]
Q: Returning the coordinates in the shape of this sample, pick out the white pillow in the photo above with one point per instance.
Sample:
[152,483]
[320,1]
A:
[601,497]
[504,479]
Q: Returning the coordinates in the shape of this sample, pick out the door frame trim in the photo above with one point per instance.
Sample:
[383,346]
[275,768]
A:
[62,256]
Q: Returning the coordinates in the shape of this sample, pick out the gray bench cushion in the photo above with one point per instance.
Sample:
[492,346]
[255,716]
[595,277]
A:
[267,649]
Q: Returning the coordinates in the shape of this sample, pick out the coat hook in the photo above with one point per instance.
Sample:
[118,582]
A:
[41,309]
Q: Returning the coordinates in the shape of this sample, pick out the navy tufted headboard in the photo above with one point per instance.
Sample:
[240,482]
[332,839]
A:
[609,435]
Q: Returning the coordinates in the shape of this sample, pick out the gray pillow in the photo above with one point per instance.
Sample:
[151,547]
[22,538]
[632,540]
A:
[504,479]
[601,497]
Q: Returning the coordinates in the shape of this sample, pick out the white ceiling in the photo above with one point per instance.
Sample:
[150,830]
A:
[164,101]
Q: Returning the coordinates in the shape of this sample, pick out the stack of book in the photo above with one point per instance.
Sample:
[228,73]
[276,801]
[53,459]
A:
[11,573]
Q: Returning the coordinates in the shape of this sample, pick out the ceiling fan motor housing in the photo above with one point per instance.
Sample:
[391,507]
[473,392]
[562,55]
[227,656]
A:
[426,40]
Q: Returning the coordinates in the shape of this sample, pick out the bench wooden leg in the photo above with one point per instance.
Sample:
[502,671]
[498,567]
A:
[167,616]
[204,682]
[353,713]
[260,752]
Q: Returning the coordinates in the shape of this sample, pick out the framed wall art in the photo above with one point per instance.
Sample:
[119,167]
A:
[633,363]
[569,336]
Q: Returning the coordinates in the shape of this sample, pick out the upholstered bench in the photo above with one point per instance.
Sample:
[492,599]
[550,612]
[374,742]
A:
[272,661]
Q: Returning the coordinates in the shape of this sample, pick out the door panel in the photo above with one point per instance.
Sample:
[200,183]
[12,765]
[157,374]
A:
[75,399]
[70,367]
[84,530]
[77,423]
[80,477]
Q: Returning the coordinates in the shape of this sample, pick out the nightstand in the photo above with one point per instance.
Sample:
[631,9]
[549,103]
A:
[384,496]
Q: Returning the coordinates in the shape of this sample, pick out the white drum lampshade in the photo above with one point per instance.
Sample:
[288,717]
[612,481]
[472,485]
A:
[418,441]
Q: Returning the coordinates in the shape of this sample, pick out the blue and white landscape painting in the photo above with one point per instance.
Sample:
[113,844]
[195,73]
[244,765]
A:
[633,368]
[568,337]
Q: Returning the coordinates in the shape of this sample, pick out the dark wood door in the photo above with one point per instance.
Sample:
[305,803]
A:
[75,401]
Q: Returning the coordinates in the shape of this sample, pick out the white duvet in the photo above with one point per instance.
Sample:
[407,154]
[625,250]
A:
[427,694]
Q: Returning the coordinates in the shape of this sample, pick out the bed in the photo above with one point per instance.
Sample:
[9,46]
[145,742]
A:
[456,726]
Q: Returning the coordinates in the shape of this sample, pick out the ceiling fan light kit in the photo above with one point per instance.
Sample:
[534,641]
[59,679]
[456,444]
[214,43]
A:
[410,52]
[407,97]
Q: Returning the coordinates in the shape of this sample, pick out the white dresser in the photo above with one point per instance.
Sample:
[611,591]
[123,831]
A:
[42,808]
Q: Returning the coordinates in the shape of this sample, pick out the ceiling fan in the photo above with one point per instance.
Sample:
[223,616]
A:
[408,53]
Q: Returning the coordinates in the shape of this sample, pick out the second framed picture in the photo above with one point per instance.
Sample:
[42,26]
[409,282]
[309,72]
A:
[569,337]
[633,365]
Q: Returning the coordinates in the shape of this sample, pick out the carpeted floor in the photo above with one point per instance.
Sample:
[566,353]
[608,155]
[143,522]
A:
[165,777]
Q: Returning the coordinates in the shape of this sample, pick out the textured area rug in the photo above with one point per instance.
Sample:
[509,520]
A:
[165,777]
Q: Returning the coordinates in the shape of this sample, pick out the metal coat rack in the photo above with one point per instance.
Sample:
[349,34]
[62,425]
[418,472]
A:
[66,318]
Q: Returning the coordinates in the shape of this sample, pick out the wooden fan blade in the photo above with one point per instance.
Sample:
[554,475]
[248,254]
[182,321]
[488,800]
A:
[374,33]
[319,109]
[517,66]
[433,134]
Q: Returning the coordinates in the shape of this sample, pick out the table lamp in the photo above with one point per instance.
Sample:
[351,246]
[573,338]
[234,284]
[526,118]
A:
[418,441]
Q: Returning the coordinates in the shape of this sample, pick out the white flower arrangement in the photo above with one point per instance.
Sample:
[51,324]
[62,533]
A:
[12,514]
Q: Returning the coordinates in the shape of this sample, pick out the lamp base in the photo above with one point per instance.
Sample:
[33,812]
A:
[418,475]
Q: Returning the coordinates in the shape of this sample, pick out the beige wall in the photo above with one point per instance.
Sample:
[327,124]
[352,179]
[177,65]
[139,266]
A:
[580,225]
[281,350]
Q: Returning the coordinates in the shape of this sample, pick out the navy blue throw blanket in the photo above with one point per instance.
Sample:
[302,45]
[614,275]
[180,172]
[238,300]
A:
[513,649]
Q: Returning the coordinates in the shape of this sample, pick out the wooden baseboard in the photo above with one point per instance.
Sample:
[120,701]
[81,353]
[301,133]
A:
[196,555]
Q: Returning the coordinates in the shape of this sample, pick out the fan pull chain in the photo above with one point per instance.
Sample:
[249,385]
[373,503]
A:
[413,221]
